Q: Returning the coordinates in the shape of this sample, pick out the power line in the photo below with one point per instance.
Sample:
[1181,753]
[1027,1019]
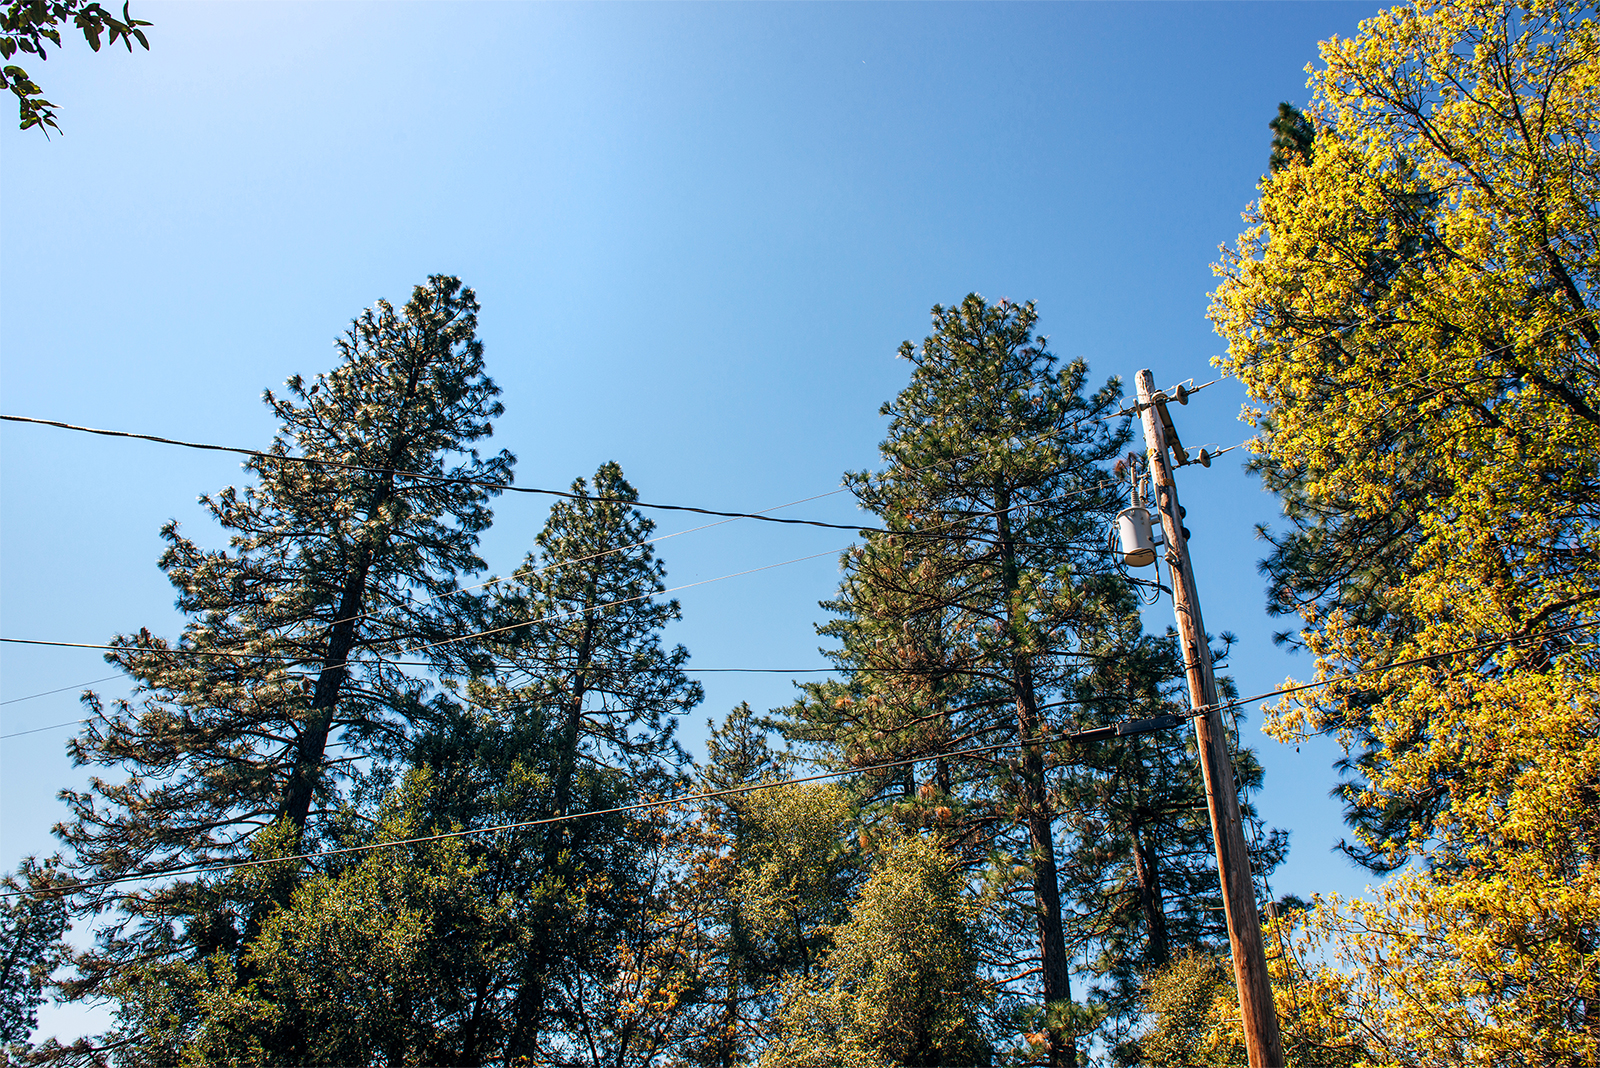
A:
[61,689]
[685,670]
[730,516]
[927,532]
[185,652]
[506,487]
[397,663]
[204,868]
[556,617]
[1503,640]
[51,727]
[568,561]
[424,476]
[553,618]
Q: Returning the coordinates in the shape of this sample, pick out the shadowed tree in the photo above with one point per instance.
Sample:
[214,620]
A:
[283,690]
[575,640]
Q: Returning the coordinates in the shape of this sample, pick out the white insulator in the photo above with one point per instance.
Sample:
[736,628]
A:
[1133,529]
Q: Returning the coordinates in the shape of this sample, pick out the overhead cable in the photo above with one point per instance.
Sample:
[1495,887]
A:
[51,727]
[1380,668]
[59,689]
[426,477]
[204,868]
[553,618]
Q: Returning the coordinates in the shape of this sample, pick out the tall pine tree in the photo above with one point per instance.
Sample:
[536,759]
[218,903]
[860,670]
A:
[575,641]
[283,688]
[968,624]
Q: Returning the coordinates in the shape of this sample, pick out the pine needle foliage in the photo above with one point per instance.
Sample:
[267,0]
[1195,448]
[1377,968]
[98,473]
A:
[285,693]
[988,597]
[574,646]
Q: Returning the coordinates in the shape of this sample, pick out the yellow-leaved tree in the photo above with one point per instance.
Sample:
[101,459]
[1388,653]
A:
[1412,311]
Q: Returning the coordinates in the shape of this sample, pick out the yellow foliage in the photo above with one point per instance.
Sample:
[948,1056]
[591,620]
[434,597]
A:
[1411,310]
[1194,1012]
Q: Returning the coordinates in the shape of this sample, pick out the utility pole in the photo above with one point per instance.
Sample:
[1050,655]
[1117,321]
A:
[1262,1040]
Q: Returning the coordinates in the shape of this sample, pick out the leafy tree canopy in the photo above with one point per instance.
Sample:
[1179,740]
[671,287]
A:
[1412,311]
[26,26]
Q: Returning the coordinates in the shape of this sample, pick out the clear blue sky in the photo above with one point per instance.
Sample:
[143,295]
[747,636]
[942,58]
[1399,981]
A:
[698,233]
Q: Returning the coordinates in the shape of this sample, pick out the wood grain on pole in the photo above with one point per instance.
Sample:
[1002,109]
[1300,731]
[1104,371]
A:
[1256,1009]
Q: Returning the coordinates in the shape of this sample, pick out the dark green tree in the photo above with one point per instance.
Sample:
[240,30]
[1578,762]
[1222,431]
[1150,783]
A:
[381,958]
[26,26]
[283,691]
[971,621]
[574,640]
[735,979]
[1142,876]
[32,924]
[1293,138]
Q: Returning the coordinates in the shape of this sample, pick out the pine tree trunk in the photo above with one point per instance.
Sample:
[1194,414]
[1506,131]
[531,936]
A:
[529,1006]
[313,742]
[1147,868]
[1035,799]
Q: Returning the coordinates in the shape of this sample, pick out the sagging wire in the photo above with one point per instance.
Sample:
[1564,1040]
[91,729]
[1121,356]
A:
[204,868]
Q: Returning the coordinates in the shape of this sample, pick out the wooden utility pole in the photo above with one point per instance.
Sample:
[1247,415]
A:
[1262,1040]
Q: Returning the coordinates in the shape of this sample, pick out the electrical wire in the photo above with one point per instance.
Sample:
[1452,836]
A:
[291,659]
[554,618]
[1125,410]
[674,589]
[61,689]
[761,516]
[422,476]
[204,868]
[569,561]
[483,483]
[730,516]
[36,730]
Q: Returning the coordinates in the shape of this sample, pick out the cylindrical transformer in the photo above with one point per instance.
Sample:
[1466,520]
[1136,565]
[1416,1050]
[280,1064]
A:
[1133,528]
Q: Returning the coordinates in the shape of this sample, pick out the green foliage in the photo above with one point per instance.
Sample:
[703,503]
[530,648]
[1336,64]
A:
[576,632]
[288,689]
[574,651]
[380,961]
[801,864]
[989,615]
[26,25]
[1141,873]
[1188,1000]
[900,986]
[1293,138]
[32,926]
[986,597]
[735,972]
